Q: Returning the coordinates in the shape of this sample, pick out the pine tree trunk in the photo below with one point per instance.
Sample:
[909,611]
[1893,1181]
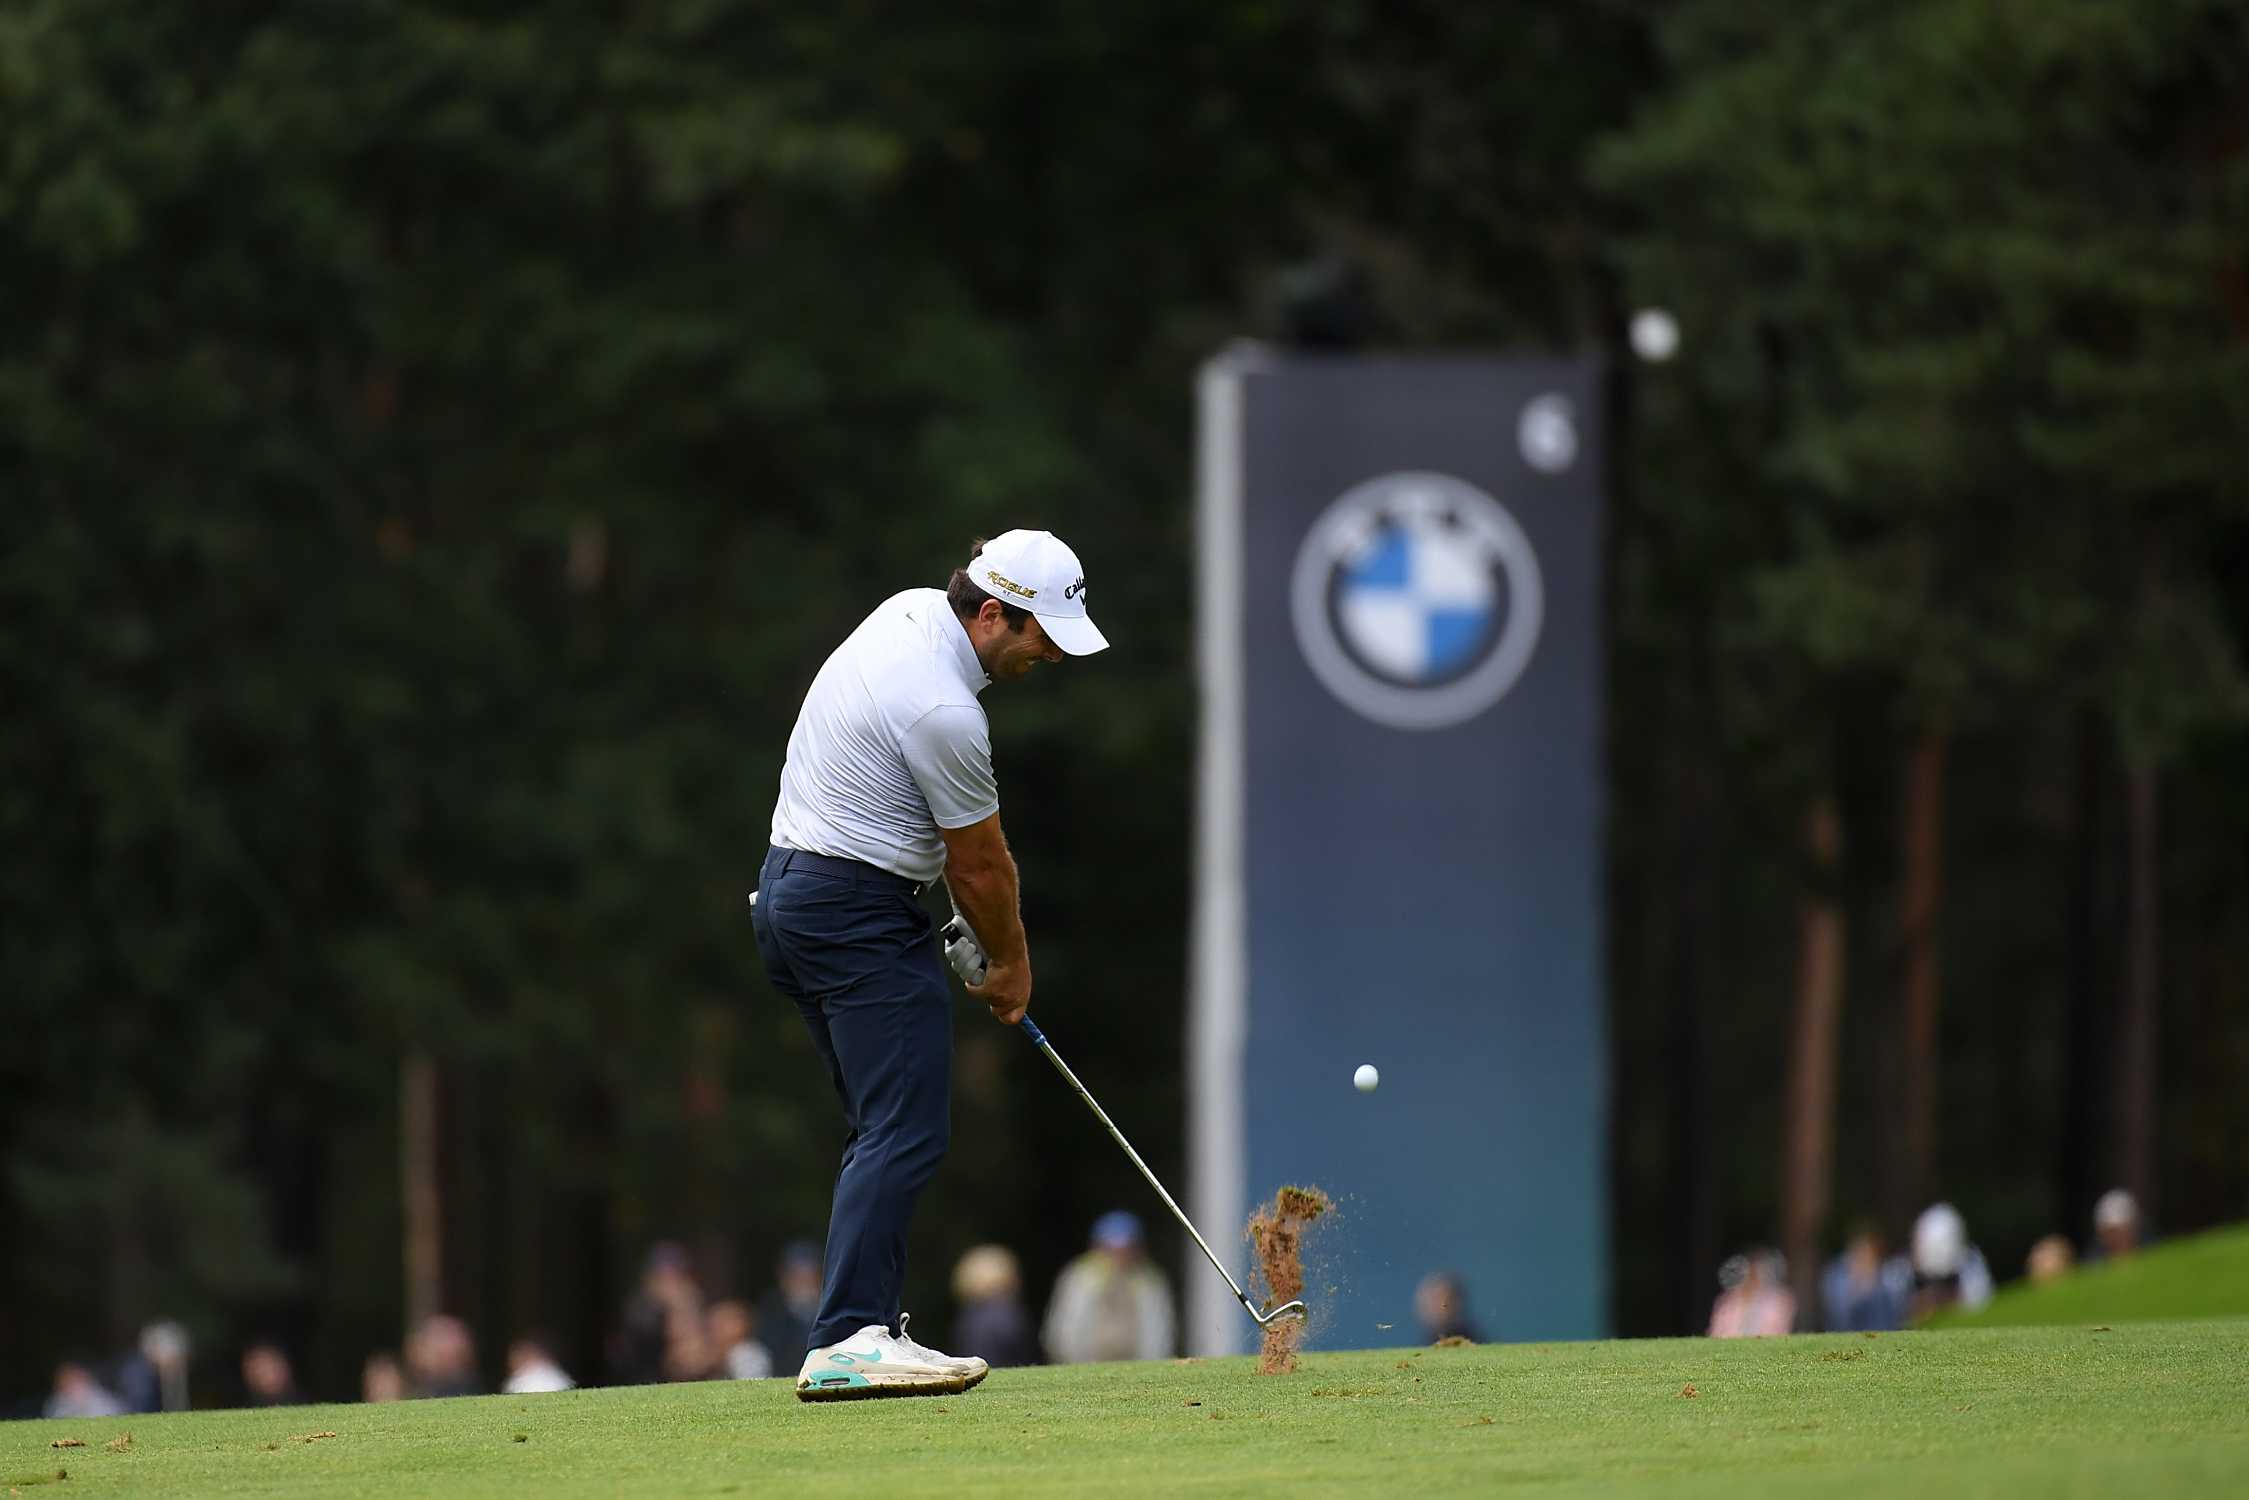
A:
[2088,918]
[420,1188]
[1920,905]
[1808,1160]
[2134,1146]
[1694,1188]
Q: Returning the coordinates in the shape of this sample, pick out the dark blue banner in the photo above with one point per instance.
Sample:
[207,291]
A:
[1399,834]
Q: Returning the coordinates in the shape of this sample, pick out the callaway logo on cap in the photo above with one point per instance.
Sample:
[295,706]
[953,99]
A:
[1033,570]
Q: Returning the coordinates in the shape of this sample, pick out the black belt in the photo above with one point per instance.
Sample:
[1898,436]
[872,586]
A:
[847,869]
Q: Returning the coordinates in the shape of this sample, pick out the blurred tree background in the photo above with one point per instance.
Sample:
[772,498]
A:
[438,443]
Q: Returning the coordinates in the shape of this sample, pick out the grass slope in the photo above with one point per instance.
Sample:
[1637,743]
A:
[2143,1408]
[2206,1276]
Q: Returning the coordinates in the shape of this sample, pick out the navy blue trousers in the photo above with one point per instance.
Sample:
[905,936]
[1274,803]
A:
[852,946]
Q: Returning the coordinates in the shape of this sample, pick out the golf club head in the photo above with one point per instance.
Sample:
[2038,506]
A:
[1285,1310]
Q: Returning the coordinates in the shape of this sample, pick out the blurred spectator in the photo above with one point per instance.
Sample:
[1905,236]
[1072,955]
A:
[1862,1290]
[785,1313]
[532,1370]
[154,1376]
[2050,1259]
[441,1358]
[728,1334]
[1948,1270]
[1440,1305]
[381,1379]
[1110,1303]
[2116,1227]
[1753,1299]
[993,1324]
[688,1353]
[78,1394]
[661,1338]
[267,1379]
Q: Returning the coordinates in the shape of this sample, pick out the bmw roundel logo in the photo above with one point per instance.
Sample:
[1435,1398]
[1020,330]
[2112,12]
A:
[1417,600]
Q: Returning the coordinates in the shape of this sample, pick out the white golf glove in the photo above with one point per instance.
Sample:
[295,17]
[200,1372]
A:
[962,951]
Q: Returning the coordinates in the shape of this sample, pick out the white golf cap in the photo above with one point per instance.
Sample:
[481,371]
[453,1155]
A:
[1034,570]
[2116,1208]
[1940,1241]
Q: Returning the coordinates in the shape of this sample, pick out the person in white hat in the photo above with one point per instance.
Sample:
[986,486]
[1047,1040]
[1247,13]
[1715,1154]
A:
[888,785]
[2116,1226]
[1948,1270]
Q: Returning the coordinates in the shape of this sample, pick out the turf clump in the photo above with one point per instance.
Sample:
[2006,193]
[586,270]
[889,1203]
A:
[1276,1233]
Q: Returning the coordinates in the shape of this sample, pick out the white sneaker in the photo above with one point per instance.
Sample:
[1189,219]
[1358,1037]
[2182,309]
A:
[872,1363]
[968,1366]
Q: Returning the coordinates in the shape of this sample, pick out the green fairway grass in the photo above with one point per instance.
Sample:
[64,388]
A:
[2206,1276]
[2160,1408]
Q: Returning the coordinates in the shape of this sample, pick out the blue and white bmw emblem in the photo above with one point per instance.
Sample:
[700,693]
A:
[1417,600]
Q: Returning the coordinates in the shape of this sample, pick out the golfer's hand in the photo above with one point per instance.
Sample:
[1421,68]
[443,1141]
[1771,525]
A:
[962,951]
[1007,990]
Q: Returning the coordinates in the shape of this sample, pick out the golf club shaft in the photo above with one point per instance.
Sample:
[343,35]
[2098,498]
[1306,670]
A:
[1038,1040]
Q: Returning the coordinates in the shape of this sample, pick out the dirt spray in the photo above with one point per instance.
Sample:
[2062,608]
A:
[1276,1233]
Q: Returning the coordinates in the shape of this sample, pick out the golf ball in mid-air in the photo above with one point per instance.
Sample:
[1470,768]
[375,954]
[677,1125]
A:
[1366,1078]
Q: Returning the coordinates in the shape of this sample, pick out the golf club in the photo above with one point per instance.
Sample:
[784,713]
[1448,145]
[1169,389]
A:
[1038,1040]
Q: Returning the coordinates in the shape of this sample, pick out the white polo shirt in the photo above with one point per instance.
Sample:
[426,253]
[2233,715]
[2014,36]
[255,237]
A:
[891,744]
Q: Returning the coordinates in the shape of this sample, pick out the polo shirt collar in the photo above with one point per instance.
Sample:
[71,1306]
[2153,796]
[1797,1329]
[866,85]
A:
[964,650]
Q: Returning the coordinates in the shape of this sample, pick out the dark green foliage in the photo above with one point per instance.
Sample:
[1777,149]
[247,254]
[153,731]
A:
[440,446]
[1954,445]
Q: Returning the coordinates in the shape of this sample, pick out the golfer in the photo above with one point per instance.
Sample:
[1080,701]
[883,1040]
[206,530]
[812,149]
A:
[888,785]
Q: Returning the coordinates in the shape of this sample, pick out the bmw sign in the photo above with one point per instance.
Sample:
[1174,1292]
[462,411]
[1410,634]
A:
[1400,667]
[1417,600]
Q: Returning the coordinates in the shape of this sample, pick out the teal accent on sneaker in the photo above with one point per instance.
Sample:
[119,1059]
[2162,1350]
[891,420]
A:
[839,1381]
[872,1357]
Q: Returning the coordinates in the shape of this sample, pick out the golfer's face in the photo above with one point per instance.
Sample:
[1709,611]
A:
[1015,652]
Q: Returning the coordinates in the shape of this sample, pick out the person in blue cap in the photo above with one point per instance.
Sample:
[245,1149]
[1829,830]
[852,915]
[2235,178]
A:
[1111,1302]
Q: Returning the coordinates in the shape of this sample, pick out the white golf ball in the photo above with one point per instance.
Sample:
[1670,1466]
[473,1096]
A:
[1366,1078]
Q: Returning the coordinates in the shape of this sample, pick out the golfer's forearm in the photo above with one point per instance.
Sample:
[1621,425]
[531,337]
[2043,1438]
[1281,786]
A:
[987,895]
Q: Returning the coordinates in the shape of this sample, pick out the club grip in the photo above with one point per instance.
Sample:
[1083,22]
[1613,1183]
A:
[1031,1030]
